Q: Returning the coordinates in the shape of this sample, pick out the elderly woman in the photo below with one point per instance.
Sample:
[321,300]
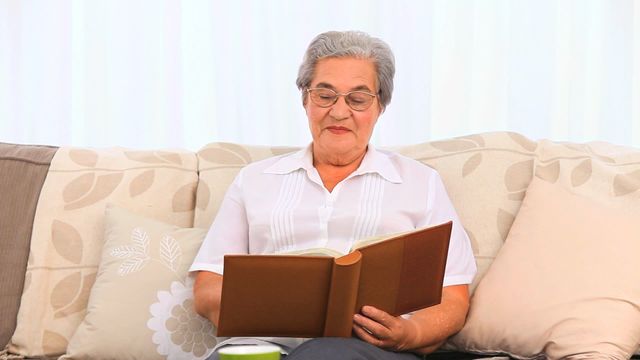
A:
[334,192]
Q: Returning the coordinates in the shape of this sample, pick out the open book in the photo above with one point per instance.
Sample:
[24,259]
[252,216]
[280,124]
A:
[313,296]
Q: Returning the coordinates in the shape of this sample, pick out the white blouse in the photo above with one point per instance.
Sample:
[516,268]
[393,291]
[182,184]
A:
[280,204]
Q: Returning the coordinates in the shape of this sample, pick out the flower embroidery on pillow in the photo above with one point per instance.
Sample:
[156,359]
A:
[179,332]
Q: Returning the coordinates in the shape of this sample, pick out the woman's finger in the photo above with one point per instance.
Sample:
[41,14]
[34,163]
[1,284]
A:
[379,316]
[374,327]
[368,336]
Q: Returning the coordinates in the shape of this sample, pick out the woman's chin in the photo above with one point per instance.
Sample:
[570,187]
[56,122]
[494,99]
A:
[341,154]
[339,147]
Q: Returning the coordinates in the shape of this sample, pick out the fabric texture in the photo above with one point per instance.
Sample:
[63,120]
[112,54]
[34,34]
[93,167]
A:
[387,194]
[68,231]
[23,169]
[141,305]
[485,175]
[565,285]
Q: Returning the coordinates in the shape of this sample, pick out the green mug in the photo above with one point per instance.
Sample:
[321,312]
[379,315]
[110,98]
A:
[250,352]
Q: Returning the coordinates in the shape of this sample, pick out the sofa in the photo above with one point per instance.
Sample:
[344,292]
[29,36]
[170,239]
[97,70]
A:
[96,243]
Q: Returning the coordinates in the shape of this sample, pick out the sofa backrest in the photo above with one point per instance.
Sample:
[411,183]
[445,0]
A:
[486,176]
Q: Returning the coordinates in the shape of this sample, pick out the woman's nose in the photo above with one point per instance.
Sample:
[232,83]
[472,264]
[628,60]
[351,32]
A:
[340,110]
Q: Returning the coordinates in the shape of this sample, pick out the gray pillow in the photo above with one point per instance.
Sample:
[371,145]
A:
[23,169]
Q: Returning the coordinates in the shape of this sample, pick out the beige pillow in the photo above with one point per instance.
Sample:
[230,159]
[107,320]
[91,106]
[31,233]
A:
[565,284]
[141,305]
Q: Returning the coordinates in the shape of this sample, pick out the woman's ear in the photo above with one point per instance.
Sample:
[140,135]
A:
[304,100]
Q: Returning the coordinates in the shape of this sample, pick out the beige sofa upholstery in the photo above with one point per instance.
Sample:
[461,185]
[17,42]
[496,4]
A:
[487,177]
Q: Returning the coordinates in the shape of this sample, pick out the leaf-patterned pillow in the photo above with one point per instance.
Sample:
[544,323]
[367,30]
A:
[141,305]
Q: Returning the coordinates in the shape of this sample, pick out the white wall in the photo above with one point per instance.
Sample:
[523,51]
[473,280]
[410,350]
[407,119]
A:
[168,73]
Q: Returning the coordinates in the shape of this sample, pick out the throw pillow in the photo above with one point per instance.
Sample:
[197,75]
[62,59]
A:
[141,305]
[565,285]
[23,169]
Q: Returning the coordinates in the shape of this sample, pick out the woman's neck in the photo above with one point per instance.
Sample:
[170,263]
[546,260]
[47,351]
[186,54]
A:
[335,168]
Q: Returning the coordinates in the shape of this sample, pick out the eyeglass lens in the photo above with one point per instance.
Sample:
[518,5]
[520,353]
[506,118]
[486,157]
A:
[357,100]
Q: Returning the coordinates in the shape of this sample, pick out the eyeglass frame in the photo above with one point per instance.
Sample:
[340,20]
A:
[335,100]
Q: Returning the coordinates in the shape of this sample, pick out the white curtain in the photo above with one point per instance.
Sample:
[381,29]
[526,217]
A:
[168,73]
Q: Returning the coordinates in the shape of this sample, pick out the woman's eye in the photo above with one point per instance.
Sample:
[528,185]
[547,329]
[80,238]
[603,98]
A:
[358,99]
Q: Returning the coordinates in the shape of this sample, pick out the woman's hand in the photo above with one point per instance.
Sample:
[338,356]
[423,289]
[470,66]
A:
[424,332]
[384,330]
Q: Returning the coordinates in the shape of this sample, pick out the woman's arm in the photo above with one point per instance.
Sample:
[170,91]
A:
[228,234]
[424,332]
[207,292]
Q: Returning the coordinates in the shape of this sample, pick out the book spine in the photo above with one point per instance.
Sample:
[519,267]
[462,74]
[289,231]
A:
[341,304]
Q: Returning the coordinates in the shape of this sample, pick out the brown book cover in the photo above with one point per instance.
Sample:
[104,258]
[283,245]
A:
[313,296]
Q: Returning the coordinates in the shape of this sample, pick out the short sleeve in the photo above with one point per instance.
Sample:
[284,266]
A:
[461,264]
[227,235]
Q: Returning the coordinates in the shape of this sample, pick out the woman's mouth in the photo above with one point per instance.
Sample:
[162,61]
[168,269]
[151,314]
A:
[337,130]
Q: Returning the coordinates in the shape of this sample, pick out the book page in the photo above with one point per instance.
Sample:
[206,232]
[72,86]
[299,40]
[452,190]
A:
[357,245]
[378,238]
[314,252]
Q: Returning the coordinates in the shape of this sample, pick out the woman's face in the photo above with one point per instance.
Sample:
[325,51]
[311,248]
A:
[338,130]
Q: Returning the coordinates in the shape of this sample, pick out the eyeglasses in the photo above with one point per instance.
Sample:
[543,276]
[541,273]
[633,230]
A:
[357,100]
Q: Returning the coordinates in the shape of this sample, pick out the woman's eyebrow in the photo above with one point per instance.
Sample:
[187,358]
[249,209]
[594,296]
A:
[361,87]
[357,88]
[325,85]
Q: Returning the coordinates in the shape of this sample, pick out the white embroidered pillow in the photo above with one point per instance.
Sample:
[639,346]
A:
[141,305]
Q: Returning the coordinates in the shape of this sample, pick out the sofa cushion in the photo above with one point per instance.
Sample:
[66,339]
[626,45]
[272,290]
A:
[68,231]
[141,305]
[486,176]
[565,282]
[23,169]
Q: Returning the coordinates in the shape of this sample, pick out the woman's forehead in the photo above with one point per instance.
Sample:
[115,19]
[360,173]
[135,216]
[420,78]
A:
[345,74]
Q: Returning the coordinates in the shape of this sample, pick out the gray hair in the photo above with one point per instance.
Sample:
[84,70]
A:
[333,44]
